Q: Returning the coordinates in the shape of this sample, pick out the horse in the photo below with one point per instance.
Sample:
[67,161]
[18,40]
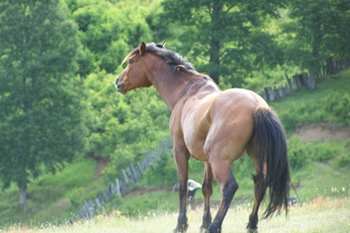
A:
[216,127]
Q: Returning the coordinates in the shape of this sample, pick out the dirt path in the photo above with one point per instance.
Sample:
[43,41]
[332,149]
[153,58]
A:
[311,132]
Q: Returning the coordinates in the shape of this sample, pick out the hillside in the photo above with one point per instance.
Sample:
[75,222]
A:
[318,139]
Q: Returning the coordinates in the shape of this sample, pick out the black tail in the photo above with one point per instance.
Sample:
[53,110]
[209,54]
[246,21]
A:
[271,141]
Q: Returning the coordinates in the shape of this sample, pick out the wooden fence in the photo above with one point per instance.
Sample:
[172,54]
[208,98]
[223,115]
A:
[304,80]
[130,175]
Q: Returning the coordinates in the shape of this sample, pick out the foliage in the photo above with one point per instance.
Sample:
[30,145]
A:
[41,121]
[320,31]
[321,105]
[50,196]
[298,154]
[162,170]
[224,38]
[301,154]
[123,128]
[338,104]
[108,32]
[343,161]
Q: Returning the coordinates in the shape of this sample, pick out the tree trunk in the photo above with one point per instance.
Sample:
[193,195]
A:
[22,193]
[215,44]
[215,60]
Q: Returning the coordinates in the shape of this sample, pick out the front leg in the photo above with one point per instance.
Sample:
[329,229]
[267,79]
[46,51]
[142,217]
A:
[181,156]
[207,190]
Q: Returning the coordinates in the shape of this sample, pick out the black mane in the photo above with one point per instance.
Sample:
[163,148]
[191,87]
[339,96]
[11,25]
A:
[174,60]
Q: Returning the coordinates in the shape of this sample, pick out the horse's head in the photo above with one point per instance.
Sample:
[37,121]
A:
[135,74]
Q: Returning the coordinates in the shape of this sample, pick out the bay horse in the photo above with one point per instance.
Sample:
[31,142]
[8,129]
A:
[216,127]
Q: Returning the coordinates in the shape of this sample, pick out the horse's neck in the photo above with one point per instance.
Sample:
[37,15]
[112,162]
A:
[173,86]
[169,87]
[177,87]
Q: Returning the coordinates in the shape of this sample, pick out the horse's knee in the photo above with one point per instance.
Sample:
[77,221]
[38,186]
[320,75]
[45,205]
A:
[207,188]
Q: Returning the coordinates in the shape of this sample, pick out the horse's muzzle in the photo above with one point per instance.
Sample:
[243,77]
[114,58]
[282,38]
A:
[118,86]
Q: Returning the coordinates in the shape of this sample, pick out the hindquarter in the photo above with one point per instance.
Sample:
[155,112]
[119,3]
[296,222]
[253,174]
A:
[232,123]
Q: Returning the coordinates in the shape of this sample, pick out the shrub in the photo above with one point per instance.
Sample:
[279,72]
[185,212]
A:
[298,153]
[338,104]
[343,161]
[323,152]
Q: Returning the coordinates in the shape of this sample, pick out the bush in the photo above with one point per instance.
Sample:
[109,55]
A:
[338,104]
[76,196]
[323,152]
[298,153]
[162,170]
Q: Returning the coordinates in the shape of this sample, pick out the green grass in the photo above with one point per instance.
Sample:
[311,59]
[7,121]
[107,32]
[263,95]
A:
[321,216]
[51,197]
[309,106]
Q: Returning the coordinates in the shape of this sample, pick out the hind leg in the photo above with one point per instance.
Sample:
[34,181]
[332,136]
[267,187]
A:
[207,190]
[222,173]
[259,191]
[259,196]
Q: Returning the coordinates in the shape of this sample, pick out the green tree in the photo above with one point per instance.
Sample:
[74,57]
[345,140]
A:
[225,36]
[40,96]
[107,31]
[321,30]
[123,128]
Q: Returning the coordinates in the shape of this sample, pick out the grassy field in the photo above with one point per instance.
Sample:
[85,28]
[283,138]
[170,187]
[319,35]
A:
[320,215]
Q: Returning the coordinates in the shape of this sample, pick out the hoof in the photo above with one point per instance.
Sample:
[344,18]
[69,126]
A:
[214,228]
[204,228]
[250,230]
[181,229]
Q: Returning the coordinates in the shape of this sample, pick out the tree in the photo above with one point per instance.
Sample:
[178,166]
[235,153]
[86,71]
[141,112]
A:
[41,118]
[121,128]
[225,33]
[107,31]
[323,29]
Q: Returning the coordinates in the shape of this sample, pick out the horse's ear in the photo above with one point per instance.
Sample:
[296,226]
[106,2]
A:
[161,45]
[142,48]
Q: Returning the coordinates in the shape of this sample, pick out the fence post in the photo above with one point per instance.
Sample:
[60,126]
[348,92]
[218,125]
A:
[290,84]
[118,186]
[139,166]
[125,177]
[263,95]
[136,175]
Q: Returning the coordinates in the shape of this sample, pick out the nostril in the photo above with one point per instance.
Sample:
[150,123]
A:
[119,85]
